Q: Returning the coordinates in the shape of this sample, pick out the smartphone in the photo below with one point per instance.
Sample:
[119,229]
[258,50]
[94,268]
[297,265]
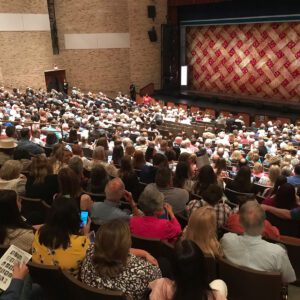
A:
[84,214]
[109,158]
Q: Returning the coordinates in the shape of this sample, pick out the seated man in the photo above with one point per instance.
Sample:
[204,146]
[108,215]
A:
[177,197]
[109,209]
[27,145]
[250,250]
[295,180]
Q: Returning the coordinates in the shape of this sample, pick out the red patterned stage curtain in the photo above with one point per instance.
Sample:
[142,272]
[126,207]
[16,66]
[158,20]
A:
[261,60]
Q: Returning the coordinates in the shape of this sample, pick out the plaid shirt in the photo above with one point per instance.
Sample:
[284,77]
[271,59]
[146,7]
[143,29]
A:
[223,211]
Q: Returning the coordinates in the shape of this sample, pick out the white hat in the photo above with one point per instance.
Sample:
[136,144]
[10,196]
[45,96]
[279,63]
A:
[7,144]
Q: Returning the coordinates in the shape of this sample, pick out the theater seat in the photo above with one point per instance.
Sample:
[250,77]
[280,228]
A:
[80,291]
[247,284]
[235,197]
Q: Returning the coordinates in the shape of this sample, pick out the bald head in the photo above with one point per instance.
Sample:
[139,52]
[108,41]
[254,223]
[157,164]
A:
[252,217]
[114,190]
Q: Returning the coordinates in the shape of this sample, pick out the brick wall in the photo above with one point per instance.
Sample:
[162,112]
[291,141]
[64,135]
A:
[25,55]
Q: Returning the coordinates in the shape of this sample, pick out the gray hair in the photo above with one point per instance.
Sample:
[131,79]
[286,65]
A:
[114,190]
[151,200]
[252,217]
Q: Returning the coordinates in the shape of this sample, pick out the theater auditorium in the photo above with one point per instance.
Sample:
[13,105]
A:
[149,150]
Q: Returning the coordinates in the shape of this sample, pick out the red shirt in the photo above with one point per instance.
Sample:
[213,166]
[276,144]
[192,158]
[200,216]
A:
[233,224]
[147,100]
[152,227]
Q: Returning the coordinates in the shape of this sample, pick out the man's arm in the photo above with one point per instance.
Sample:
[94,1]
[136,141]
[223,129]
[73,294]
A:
[279,212]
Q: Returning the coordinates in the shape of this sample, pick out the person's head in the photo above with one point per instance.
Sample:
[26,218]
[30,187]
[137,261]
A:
[73,136]
[243,176]
[126,166]
[99,176]
[202,229]
[297,170]
[77,150]
[252,218]
[117,154]
[163,177]
[286,171]
[51,139]
[99,153]
[213,194]
[206,176]
[40,168]
[138,159]
[150,152]
[10,170]
[112,245]
[69,184]
[102,141]
[281,179]
[190,272]
[257,168]
[274,172]
[151,201]
[76,164]
[25,133]
[10,216]
[286,196]
[160,160]
[114,190]
[10,131]
[182,173]
[236,155]
[62,221]
[57,154]
[129,150]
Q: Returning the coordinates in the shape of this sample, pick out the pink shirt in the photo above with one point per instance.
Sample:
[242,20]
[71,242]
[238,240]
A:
[152,227]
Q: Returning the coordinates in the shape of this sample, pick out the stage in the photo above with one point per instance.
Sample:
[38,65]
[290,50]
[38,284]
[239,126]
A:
[235,104]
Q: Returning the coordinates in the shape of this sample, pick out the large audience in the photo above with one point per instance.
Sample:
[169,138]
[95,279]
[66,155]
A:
[110,157]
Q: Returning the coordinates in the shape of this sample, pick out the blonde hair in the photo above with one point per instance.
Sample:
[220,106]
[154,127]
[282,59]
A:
[202,229]
[40,168]
[257,168]
[11,170]
[110,258]
[236,155]
[274,172]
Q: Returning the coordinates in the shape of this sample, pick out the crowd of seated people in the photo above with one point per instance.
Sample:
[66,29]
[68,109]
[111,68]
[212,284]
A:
[69,150]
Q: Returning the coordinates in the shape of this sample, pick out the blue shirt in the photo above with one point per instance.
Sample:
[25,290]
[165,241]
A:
[294,180]
[106,211]
[32,148]
[295,214]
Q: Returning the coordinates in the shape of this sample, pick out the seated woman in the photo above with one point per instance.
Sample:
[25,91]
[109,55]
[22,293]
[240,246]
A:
[129,177]
[69,186]
[138,160]
[110,265]
[285,197]
[59,241]
[206,176]
[213,197]
[233,224]
[151,202]
[183,176]
[98,179]
[99,157]
[11,177]
[13,229]
[190,278]
[271,192]
[242,181]
[270,178]
[202,229]
[41,182]
[258,170]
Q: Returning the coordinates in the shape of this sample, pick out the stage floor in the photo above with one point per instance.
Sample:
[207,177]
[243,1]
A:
[233,104]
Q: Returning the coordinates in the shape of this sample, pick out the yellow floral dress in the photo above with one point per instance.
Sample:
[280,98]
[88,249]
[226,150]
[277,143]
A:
[69,258]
